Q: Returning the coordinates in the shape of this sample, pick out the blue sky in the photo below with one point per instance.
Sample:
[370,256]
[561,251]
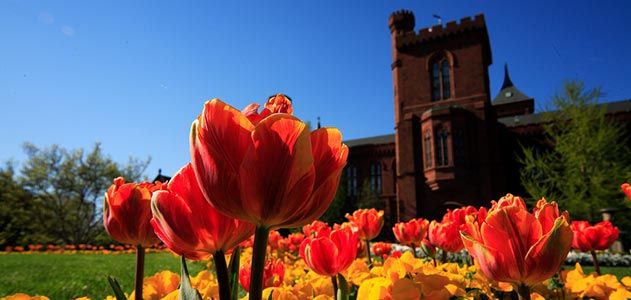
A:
[134,74]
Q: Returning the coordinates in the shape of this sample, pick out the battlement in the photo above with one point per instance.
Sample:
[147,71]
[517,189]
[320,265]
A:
[410,38]
[401,21]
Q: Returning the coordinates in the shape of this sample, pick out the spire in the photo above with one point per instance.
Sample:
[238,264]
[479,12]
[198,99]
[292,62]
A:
[319,126]
[507,82]
[509,92]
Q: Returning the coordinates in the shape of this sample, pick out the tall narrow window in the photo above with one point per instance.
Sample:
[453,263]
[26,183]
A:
[441,80]
[375,178]
[351,181]
[441,148]
[427,145]
[444,70]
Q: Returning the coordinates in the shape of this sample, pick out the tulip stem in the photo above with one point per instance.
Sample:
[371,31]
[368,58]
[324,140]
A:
[343,292]
[140,271]
[596,265]
[222,275]
[414,251]
[523,291]
[258,262]
[368,253]
[334,281]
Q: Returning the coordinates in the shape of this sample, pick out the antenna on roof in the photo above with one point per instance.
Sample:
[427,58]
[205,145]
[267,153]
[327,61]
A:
[438,19]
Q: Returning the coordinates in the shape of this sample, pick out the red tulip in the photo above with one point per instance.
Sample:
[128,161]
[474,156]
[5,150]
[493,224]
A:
[381,249]
[273,274]
[317,229]
[626,188]
[294,241]
[330,255]
[411,233]
[266,168]
[188,224]
[368,221]
[513,245]
[127,212]
[598,237]
[445,235]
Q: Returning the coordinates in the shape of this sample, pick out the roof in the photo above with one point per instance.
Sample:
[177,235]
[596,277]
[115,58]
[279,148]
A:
[161,178]
[509,92]
[373,140]
[612,107]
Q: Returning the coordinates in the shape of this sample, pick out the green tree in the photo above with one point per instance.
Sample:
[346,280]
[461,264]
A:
[583,159]
[16,225]
[368,198]
[339,206]
[68,187]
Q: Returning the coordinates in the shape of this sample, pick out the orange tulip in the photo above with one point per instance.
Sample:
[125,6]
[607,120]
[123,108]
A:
[513,245]
[127,212]
[597,237]
[368,221]
[266,168]
[330,255]
[411,233]
[626,188]
[188,224]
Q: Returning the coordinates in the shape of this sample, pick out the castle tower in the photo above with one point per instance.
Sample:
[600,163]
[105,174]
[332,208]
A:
[445,125]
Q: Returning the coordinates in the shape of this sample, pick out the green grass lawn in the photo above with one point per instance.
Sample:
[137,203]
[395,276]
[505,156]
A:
[67,276]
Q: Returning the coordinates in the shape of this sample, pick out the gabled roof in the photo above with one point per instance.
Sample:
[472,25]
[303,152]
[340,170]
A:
[623,106]
[509,92]
[373,140]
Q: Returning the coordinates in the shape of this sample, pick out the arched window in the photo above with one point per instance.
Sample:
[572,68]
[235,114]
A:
[375,178]
[351,181]
[441,147]
[441,79]
[427,146]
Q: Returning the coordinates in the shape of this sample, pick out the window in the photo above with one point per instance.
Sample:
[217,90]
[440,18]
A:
[351,181]
[375,178]
[427,145]
[441,148]
[441,80]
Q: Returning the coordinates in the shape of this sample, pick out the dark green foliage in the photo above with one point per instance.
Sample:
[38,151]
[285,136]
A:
[368,198]
[16,215]
[58,196]
[584,159]
[339,206]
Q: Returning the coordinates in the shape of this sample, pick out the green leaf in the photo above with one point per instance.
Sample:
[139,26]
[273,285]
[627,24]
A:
[118,292]
[187,292]
[233,272]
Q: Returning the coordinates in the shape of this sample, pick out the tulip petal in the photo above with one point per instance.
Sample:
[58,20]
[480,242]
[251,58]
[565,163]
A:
[492,263]
[329,159]
[546,256]
[511,230]
[277,172]
[170,223]
[321,254]
[219,139]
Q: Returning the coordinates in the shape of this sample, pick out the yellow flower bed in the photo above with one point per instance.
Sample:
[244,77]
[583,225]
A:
[405,277]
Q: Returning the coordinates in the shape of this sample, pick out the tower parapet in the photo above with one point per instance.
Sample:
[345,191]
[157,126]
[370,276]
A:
[401,21]
[439,31]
